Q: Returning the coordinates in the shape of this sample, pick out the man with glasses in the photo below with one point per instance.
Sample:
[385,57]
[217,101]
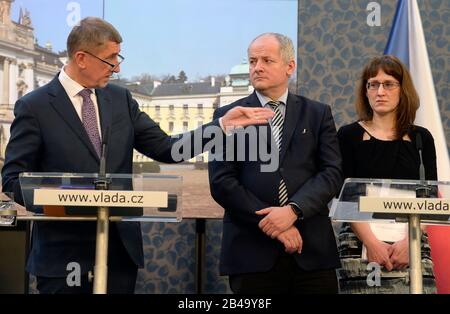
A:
[112,65]
[59,128]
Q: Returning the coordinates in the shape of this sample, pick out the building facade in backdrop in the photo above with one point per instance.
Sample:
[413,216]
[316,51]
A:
[177,107]
[24,65]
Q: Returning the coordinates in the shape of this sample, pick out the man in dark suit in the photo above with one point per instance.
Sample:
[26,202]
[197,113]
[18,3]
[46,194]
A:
[58,128]
[277,236]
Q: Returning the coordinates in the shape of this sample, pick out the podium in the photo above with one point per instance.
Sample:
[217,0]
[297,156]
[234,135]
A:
[392,201]
[77,197]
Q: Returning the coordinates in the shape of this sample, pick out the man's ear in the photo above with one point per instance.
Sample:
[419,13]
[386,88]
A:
[290,67]
[80,59]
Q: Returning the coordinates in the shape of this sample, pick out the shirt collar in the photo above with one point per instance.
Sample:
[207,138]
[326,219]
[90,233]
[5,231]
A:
[264,100]
[71,87]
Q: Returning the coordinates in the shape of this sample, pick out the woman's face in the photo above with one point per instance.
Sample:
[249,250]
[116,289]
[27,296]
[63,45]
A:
[383,93]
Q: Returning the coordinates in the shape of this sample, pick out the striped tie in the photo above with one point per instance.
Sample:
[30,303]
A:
[277,131]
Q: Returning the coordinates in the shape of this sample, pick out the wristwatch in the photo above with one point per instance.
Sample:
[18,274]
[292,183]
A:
[297,211]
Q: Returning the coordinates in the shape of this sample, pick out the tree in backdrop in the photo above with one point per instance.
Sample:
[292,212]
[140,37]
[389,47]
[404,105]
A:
[182,77]
[143,78]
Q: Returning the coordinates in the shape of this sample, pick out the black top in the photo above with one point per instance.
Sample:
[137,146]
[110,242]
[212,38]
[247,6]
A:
[379,159]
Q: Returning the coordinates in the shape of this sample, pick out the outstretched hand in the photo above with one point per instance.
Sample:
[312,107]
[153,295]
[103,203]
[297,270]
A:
[243,116]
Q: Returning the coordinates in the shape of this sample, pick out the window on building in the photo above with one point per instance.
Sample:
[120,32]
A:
[170,127]
[185,109]
[158,110]
[185,126]
[200,108]
[171,109]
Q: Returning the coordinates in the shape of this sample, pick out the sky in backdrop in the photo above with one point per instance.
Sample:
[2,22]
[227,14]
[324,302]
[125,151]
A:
[201,37]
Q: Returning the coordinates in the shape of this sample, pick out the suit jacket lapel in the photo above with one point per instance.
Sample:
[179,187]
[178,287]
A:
[253,101]
[290,123]
[105,111]
[62,104]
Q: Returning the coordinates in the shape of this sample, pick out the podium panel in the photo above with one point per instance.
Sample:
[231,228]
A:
[391,201]
[382,200]
[101,198]
[130,197]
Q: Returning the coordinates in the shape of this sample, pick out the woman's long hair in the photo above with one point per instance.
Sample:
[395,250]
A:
[409,100]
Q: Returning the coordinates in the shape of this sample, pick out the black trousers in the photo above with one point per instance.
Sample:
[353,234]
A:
[286,278]
[122,273]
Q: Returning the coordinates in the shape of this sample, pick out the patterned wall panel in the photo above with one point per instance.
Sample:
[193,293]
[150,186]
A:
[169,252]
[170,258]
[335,42]
[214,283]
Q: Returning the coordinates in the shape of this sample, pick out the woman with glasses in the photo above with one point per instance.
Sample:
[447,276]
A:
[382,144]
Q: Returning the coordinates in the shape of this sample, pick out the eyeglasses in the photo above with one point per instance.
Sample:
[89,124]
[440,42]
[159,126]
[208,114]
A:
[388,85]
[112,65]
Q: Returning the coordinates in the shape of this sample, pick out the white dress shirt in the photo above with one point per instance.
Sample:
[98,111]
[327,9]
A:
[72,89]
[283,99]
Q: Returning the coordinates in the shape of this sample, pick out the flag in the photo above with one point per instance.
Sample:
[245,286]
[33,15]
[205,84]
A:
[407,42]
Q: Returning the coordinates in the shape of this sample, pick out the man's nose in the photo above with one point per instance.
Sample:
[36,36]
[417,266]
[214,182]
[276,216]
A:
[117,69]
[258,66]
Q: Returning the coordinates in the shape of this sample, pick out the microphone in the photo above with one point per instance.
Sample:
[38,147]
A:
[101,183]
[419,147]
[423,190]
[105,137]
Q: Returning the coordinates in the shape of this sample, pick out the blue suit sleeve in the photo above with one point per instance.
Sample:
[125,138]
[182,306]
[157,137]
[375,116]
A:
[22,151]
